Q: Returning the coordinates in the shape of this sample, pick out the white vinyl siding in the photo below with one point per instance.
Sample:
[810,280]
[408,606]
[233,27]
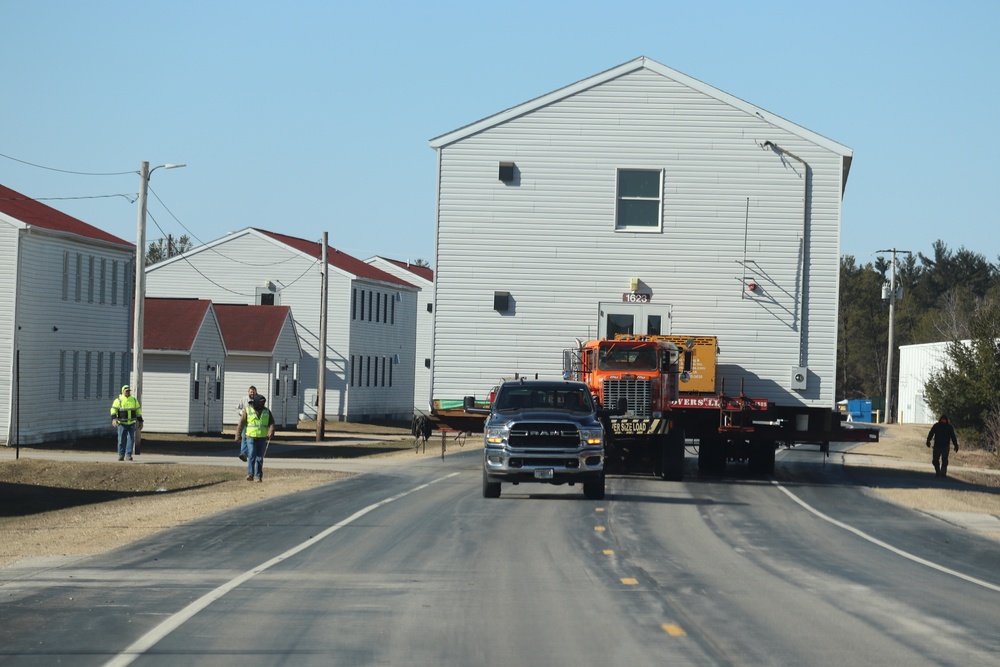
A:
[56,337]
[734,211]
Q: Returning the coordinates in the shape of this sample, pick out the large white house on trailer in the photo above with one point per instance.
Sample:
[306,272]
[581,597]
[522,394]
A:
[639,200]
[371,314]
[422,277]
[65,326]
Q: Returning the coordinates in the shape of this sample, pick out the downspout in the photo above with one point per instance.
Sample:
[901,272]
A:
[805,246]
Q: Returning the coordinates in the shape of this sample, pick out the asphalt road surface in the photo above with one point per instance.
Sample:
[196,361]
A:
[409,565]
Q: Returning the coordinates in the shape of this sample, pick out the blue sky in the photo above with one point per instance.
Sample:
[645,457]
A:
[305,117]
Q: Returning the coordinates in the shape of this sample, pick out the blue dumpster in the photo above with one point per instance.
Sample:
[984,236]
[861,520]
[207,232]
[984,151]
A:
[860,409]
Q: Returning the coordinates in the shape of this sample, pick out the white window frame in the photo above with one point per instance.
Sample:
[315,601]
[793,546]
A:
[659,209]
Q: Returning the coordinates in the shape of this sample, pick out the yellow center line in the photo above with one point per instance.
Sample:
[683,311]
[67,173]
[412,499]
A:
[629,581]
[673,630]
[599,528]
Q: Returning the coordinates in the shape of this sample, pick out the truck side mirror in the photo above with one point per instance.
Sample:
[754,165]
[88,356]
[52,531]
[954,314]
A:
[621,407]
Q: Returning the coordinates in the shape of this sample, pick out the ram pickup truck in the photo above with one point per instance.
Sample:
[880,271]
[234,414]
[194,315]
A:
[545,432]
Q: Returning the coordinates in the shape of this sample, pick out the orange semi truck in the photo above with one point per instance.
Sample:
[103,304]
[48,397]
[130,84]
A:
[668,384]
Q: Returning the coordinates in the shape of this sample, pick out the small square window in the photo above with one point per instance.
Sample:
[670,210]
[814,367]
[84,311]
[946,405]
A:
[638,200]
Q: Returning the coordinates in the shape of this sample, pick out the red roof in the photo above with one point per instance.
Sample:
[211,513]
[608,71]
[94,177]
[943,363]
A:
[172,324]
[248,328]
[425,272]
[337,258]
[37,214]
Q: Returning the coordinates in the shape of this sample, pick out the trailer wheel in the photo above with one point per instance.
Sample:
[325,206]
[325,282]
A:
[672,457]
[490,489]
[762,458]
[593,490]
[712,456]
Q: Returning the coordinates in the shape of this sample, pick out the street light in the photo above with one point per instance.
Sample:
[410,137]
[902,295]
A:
[140,283]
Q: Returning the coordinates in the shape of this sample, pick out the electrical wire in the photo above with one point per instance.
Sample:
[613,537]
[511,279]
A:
[68,171]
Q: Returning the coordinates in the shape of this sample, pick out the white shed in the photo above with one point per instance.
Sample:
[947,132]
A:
[638,200]
[371,314]
[183,367]
[67,290]
[422,277]
[262,351]
[916,365]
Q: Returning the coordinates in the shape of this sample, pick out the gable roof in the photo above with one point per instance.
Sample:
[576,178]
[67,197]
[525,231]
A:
[336,258]
[36,214]
[643,62]
[172,324]
[425,272]
[248,328]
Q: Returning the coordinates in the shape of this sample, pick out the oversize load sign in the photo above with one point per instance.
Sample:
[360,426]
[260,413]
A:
[639,426]
[713,402]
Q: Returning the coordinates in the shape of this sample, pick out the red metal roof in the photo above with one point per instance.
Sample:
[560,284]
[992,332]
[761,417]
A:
[172,324]
[247,328]
[425,272]
[337,258]
[37,214]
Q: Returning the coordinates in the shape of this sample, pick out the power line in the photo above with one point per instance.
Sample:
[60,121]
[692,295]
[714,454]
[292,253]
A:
[68,171]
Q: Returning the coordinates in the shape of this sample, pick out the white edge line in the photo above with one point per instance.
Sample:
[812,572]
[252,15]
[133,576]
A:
[884,545]
[151,638]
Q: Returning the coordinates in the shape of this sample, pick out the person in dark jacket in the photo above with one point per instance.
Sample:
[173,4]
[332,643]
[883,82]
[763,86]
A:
[943,434]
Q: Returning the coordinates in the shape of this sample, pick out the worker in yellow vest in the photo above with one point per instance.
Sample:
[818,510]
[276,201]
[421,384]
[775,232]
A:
[126,414]
[259,426]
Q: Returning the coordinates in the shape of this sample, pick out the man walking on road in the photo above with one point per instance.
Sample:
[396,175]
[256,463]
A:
[125,414]
[258,426]
[241,410]
[943,434]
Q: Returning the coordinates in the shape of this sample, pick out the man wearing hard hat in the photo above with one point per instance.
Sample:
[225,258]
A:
[125,414]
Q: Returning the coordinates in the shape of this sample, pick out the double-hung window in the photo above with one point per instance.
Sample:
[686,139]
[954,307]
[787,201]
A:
[638,205]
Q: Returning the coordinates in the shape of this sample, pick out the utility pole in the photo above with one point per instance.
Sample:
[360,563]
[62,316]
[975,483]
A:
[140,286]
[889,416]
[321,384]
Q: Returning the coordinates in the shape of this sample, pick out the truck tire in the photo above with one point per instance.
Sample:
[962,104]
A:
[490,489]
[672,453]
[594,490]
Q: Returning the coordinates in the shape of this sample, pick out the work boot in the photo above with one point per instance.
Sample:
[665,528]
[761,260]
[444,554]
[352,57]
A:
[243,457]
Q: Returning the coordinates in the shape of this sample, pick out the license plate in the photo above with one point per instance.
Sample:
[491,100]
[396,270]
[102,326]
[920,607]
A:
[545,473]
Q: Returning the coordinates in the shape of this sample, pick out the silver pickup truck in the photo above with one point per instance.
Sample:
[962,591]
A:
[545,432]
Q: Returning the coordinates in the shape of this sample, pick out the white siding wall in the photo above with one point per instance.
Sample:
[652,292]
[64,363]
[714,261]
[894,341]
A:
[166,397]
[425,325]
[205,415]
[381,388]
[8,295]
[287,404]
[549,239]
[66,328]
[240,263]
[916,365]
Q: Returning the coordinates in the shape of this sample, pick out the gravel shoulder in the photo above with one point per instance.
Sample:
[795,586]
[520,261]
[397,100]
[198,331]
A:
[53,509]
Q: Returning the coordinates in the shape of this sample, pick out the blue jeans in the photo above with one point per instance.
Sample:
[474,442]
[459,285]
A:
[245,446]
[126,439]
[255,457]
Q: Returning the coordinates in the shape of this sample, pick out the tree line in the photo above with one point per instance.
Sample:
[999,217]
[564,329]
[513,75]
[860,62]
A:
[946,295]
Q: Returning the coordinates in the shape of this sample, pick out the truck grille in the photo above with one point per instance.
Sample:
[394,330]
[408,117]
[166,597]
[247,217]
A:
[544,435]
[635,392]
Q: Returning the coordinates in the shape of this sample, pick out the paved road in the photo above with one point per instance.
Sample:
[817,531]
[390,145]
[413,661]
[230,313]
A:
[409,565]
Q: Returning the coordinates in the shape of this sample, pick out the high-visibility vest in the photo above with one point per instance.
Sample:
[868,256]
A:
[257,423]
[126,410]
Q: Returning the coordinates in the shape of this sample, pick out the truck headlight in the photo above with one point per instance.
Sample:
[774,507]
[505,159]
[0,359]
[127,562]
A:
[592,436]
[496,435]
